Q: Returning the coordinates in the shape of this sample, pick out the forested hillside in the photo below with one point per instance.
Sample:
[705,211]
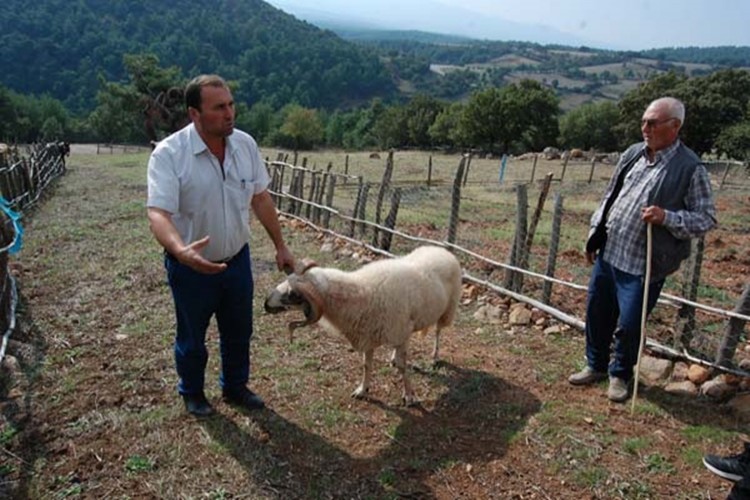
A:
[60,47]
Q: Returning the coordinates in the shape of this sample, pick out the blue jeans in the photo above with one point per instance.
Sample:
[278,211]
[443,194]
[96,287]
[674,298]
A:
[613,310]
[197,297]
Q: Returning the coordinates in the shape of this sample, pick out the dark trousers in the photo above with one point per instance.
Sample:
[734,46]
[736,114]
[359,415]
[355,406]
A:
[197,297]
[613,311]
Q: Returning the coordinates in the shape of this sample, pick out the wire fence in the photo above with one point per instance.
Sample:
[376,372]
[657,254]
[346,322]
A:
[477,209]
[25,174]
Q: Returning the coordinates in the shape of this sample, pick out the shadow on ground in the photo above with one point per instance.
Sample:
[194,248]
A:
[472,422]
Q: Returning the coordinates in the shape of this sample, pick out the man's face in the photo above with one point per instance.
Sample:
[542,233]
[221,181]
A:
[658,128]
[216,116]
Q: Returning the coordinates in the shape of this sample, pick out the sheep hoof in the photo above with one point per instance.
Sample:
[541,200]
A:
[410,401]
[360,392]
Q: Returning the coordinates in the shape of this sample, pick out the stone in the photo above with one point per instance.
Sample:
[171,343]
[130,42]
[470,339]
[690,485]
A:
[685,387]
[717,389]
[698,374]
[489,313]
[741,405]
[520,316]
[679,372]
[655,370]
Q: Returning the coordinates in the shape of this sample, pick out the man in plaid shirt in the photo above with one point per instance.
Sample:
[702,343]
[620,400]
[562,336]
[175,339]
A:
[659,181]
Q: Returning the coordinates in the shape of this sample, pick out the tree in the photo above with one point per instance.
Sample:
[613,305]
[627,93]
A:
[420,114]
[302,128]
[522,115]
[734,142]
[391,128]
[590,126]
[712,103]
[260,120]
[446,129]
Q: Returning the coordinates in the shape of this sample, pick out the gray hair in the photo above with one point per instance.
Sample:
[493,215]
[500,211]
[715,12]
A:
[674,107]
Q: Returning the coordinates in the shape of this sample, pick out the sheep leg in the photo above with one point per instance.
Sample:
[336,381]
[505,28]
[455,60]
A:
[400,359]
[436,346]
[392,358]
[361,391]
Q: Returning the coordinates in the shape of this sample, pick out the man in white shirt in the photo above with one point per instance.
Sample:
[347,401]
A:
[201,182]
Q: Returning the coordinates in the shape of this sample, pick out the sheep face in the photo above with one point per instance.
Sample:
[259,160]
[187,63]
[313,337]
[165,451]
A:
[284,298]
[296,292]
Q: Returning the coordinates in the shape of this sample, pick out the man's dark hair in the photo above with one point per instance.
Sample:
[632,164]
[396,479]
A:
[194,86]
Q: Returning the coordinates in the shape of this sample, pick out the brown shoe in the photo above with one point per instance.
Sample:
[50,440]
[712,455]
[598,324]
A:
[587,376]
[618,390]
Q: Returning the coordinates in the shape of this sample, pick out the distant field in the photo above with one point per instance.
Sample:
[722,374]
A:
[562,81]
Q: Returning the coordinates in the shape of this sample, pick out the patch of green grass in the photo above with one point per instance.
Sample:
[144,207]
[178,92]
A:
[321,413]
[387,477]
[70,492]
[633,446]
[136,464]
[590,477]
[218,494]
[7,434]
[658,463]
[633,490]
[702,433]
[644,407]
[693,455]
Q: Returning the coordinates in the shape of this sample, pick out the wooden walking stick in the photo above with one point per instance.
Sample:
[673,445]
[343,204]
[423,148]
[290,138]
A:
[644,312]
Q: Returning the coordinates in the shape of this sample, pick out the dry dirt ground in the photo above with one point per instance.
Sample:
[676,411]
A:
[91,411]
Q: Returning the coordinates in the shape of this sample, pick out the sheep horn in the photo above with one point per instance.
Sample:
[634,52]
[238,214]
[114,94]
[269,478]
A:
[314,303]
[293,326]
[303,265]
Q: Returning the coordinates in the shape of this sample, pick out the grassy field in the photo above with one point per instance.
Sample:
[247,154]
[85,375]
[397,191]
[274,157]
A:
[92,411]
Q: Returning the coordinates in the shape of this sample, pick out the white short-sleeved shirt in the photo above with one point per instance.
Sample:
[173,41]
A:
[186,180]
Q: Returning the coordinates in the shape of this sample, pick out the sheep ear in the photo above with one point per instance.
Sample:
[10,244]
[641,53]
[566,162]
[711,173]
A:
[302,265]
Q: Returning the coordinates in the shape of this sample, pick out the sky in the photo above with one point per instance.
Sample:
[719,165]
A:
[612,24]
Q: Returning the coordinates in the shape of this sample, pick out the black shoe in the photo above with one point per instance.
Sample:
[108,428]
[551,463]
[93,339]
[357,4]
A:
[733,467]
[243,397]
[740,491]
[198,405]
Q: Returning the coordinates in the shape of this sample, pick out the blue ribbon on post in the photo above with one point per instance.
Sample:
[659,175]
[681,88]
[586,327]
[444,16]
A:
[14,216]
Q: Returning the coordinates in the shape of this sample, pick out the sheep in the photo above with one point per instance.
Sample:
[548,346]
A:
[383,302]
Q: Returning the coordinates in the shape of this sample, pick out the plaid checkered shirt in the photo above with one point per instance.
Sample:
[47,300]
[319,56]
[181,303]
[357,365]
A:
[626,231]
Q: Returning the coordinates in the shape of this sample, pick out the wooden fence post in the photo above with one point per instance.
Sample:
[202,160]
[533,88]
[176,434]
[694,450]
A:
[357,202]
[319,196]
[533,168]
[535,218]
[390,220]
[591,172]
[314,186]
[466,170]
[734,330]
[456,201]
[513,279]
[565,165]
[362,211]
[346,169]
[384,185]
[429,172]
[554,244]
[691,280]
[724,177]
[329,199]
